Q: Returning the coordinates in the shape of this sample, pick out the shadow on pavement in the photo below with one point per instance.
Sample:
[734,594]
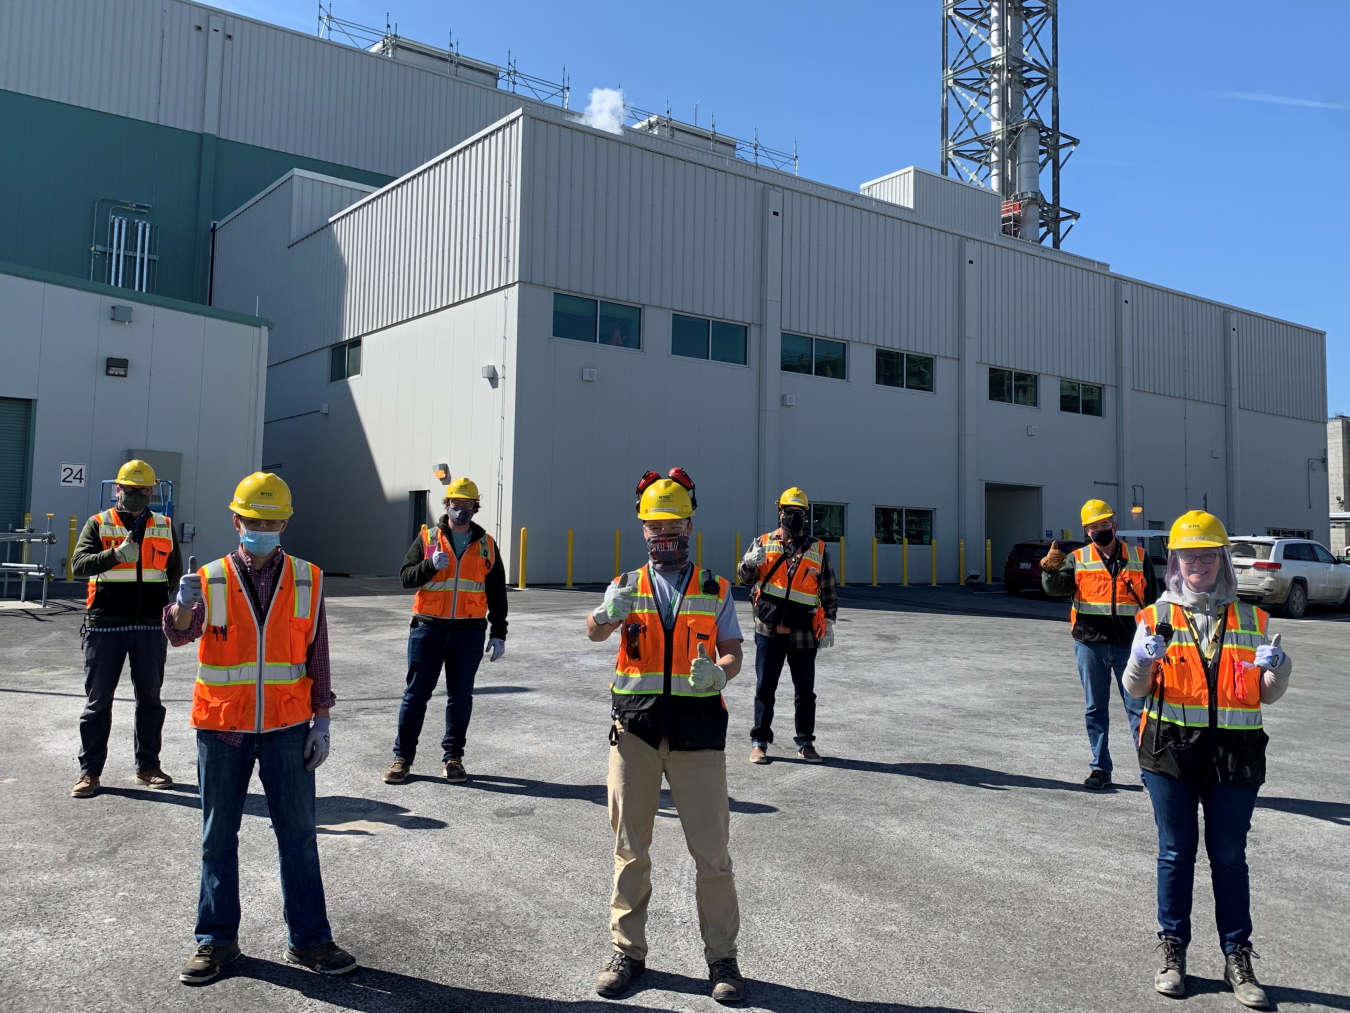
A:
[331,811]
[960,773]
[1278,994]
[371,990]
[595,793]
[1332,812]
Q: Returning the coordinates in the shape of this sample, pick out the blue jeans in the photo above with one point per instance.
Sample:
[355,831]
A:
[223,773]
[770,653]
[429,647]
[1096,663]
[104,655]
[1228,817]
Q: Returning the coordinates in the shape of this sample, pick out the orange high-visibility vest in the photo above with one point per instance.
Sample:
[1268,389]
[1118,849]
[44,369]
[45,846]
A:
[156,548]
[804,587]
[1179,694]
[250,676]
[1096,592]
[460,590]
[645,658]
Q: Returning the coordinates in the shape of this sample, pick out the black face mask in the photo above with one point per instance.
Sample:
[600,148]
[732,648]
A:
[1104,538]
[793,521]
[132,502]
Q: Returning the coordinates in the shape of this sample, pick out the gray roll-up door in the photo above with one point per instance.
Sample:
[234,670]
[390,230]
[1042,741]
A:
[16,440]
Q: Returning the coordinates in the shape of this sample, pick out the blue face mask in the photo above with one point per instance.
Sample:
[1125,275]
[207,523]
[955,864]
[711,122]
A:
[259,543]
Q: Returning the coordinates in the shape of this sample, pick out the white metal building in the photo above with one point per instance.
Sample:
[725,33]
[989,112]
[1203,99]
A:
[887,351]
[95,375]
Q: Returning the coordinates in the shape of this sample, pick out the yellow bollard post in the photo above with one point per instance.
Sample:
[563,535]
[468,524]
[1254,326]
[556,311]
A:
[736,563]
[904,561]
[874,561]
[569,557]
[988,558]
[70,546]
[616,552]
[932,559]
[27,523]
[524,544]
[841,560]
[961,561]
[698,549]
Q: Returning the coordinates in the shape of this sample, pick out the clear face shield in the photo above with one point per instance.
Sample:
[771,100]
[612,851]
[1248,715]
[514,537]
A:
[1209,571]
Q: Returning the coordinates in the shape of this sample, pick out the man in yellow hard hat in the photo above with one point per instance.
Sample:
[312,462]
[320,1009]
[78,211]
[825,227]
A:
[679,644]
[795,597]
[262,695]
[460,600]
[129,554]
[1110,583]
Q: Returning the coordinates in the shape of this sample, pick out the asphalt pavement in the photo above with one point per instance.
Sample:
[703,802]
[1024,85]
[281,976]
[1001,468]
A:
[944,858]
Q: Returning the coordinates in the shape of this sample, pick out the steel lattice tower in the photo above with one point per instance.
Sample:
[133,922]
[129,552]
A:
[998,83]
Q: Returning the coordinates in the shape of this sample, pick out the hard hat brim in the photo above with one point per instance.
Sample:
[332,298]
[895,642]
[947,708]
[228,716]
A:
[263,513]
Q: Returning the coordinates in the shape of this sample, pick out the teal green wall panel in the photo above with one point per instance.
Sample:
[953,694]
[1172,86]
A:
[56,160]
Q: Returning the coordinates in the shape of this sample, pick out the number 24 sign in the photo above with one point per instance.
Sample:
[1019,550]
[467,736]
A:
[72,475]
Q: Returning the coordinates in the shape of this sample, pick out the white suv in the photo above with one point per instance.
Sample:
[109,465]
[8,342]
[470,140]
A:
[1289,572]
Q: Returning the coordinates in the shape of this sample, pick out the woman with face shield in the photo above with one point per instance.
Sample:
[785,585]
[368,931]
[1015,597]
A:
[1202,659]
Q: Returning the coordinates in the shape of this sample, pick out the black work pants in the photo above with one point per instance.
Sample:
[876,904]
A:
[105,651]
[770,653]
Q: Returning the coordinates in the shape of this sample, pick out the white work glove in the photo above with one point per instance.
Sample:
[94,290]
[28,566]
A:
[496,647]
[440,559]
[616,606]
[1148,650]
[190,586]
[705,674]
[128,551]
[756,554]
[1270,656]
[317,743]
[828,639]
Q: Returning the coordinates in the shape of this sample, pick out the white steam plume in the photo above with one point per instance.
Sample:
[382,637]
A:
[605,111]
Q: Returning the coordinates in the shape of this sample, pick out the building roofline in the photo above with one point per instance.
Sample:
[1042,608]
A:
[350,184]
[148,298]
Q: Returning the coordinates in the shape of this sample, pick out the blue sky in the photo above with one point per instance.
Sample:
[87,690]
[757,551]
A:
[1215,135]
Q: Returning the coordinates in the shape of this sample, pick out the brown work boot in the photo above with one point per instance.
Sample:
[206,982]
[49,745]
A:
[206,963]
[759,754]
[154,778]
[398,771]
[618,972]
[809,754]
[87,785]
[727,983]
[455,772]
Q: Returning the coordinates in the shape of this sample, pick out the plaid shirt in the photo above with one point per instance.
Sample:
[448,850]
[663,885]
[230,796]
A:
[263,579]
[828,591]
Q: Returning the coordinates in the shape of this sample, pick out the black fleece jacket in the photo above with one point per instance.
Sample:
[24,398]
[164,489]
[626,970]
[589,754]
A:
[418,570]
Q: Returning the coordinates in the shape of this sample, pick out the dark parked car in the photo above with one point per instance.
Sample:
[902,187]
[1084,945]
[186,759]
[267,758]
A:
[1022,571]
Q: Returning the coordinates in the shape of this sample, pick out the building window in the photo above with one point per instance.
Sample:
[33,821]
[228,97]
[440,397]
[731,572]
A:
[344,361]
[904,369]
[1289,533]
[698,338]
[609,323]
[1013,387]
[894,524]
[1082,398]
[817,356]
[827,521]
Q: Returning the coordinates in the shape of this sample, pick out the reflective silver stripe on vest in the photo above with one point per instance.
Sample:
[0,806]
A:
[1104,608]
[279,674]
[303,587]
[648,682]
[1197,715]
[125,576]
[217,593]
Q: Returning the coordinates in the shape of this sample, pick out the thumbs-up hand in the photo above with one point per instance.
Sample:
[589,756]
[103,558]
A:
[189,586]
[704,674]
[440,559]
[756,555]
[128,551]
[1271,656]
[1054,559]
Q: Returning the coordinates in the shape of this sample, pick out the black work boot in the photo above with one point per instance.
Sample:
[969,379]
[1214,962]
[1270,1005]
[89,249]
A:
[727,983]
[1237,971]
[326,958]
[615,976]
[206,963]
[1171,980]
[1097,780]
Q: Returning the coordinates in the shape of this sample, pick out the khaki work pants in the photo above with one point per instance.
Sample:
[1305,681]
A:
[698,784]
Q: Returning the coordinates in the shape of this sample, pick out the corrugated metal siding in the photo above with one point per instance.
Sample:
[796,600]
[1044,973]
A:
[897,188]
[620,221]
[1039,315]
[1178,345]
[1281,369]
[852,274]
[951,204]
[315,199]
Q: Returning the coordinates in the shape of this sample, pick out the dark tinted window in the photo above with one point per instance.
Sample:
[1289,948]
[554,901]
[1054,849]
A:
[573,317]
[1068,396]
[796,354]
[919,372]
[1300,552]
[889,525]
[1252,550]
[889,369]
[831,359]
[729,342]
[1000,385]
[919,526]
[620,325]
[337,363]
[1092,399]
[689,336]
[1323,556]
[827,521]
[1024,389]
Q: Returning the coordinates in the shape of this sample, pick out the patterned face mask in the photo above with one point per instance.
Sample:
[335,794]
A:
[460,515]
[668,550]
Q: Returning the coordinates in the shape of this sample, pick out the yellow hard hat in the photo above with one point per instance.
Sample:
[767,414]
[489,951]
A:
[1095,510]
[461,488]
[263,496]
[794,497]
[136,473]
[1196,529]
[665,500]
